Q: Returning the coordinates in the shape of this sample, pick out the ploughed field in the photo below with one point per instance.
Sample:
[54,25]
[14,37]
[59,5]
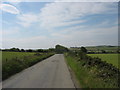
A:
[109,58]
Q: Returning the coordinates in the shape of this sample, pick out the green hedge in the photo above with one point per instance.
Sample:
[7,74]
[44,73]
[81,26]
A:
[93,72]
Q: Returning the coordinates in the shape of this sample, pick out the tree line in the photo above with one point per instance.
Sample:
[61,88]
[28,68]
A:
[58,49]
[28,50]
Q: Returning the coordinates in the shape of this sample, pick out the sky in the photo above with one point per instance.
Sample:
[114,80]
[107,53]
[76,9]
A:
[46,24]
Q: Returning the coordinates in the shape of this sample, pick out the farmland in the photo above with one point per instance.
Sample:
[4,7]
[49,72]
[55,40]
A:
[101,69]
[109,58]
[99,49]
[10,55]
[111,48]
[14,62]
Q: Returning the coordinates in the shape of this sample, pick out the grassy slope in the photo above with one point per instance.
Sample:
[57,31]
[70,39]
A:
[110,58]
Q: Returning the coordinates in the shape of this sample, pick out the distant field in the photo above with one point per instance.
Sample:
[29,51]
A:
[10,55]
[97,48]
[110,58]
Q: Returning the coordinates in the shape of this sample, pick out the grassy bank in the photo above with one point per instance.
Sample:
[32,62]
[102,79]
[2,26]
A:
[14,62]
[109,58]
[91,76]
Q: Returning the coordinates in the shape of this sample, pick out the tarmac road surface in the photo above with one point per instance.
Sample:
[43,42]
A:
[49,73]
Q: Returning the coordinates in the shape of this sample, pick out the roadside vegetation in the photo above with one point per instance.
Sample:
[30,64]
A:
[96,69]
[14,62]
[92,72]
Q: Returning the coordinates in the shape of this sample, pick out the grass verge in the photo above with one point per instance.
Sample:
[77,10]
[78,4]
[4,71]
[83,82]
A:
[88,77]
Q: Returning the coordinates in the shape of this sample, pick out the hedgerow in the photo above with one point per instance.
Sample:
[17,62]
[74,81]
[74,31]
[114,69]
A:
[102,70]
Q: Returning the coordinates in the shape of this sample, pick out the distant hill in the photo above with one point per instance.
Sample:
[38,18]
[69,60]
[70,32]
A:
[102,47]
[108,48]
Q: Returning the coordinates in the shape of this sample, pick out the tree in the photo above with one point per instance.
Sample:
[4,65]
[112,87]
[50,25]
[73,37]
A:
[83,49]
[60,49]
[22,50]
[15,49]
[29,50]
[40,50]
[51,49]
[103,51]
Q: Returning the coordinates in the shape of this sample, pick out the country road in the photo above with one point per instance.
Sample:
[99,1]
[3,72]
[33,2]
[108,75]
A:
[49,73]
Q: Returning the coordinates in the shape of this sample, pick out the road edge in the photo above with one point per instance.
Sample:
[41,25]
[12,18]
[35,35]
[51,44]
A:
[73,76]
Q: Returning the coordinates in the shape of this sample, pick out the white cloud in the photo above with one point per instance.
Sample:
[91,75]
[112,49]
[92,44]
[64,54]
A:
[9,8]
[29,42]
[9,32]
[6,34]
[27,19]
[13,0]
[60,1]
[65,14]
[99,36]
[88,37]
[87,1]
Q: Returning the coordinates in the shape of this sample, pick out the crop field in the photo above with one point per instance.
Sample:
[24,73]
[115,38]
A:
[109,58]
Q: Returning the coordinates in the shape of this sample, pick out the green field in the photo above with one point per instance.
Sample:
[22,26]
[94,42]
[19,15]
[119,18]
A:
[109,48]
[109,58]
[98,49]
[11,55]
[14,62]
